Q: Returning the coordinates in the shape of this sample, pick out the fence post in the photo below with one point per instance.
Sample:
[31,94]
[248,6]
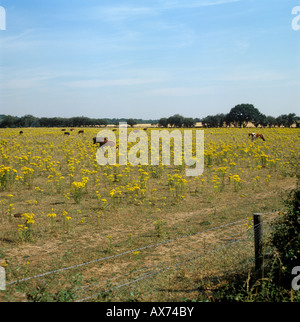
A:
[257,228]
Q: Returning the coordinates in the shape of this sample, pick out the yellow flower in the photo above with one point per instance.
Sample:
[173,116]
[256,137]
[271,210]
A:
[51,215]
[4,264]
[29,217]
[136,252]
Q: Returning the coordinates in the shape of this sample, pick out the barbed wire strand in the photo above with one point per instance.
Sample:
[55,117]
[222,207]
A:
[130,251]
[146,275]
[160,264]
[160,271]
[121,254]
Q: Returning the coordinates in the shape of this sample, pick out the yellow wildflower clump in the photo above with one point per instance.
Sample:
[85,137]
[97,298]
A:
[77,191]
[25,230]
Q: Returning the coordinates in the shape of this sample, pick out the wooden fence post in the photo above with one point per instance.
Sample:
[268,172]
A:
[257,222]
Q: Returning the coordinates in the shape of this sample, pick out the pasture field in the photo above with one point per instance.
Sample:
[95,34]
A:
[59,208]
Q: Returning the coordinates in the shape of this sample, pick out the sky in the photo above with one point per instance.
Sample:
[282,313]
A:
[149,58]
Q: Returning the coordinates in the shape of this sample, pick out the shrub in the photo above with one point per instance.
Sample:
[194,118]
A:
[286,235]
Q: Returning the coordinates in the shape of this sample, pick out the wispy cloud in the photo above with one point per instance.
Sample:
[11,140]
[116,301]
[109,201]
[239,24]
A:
[23,83]
[180,91]
[253,76]
[176,4]
[96,83]
[120,13]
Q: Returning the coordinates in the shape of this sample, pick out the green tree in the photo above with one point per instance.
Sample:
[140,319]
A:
[27,120]
[283,120]
[9,121]
[101,122]
[175,120]
[188,122]
[209,121]
[286,120]
[213,120]
[242,114]
[163,122]
[271,121]
[131,122]
[260,119]
[291,119]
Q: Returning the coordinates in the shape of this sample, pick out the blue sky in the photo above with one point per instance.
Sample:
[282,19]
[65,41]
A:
[148,58]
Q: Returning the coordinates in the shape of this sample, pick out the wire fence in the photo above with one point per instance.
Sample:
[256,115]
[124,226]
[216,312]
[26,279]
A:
[224,248]
[120,254]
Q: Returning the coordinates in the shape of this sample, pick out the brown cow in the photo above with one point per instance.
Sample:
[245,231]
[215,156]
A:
[102,141]
[256,136]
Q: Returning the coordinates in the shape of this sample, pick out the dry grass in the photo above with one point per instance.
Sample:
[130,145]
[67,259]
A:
[135,219]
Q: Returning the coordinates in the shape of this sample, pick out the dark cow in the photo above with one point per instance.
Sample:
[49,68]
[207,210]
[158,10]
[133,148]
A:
[101,141]
[67,133]
[80,132]
[21,132]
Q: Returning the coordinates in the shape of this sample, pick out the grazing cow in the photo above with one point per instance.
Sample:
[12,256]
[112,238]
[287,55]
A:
[18,215]
[21,132]
[71,129]
[67,133]
[102,141]
[80,132]
[256,136]
[63,129]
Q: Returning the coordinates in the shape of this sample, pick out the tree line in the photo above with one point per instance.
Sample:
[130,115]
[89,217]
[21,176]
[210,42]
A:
[9,121]
[239,116]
